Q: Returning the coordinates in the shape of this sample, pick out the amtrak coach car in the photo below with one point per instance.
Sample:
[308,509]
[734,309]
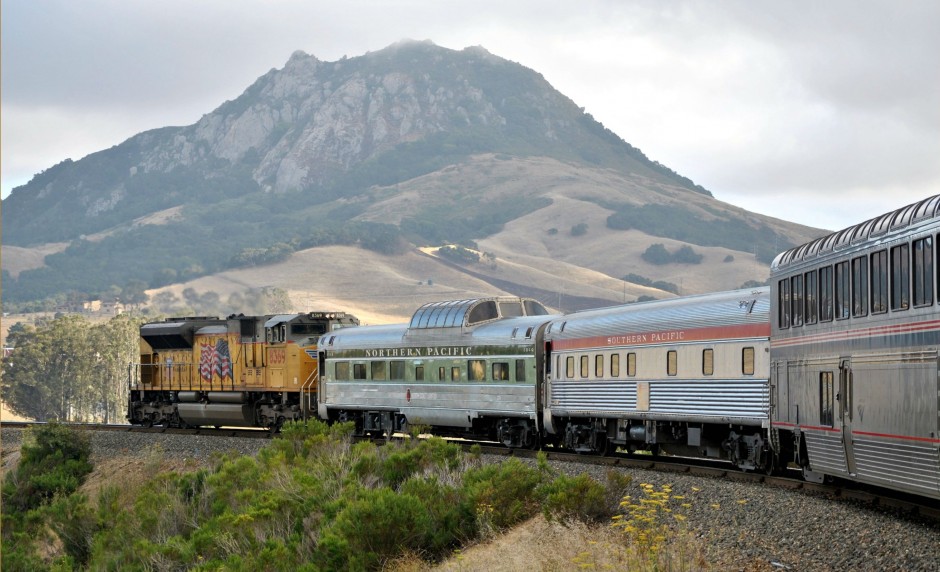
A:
[856,330]
[463,367]
[686,376]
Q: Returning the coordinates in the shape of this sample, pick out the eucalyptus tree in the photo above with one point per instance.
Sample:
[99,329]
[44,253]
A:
[69,369]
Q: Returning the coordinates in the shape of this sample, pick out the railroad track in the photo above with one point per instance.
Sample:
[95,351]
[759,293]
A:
[842,490]
[211,431]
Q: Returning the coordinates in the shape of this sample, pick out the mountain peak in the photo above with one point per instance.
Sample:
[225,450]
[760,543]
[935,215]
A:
[317,133]
[300,57]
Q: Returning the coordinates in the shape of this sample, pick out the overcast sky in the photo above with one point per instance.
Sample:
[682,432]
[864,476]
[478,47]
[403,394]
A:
[823,113]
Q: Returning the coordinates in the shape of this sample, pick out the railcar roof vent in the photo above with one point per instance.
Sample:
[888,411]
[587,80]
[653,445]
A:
[927,208]
[843,237]
[882,225]
[903,217]
[471,312]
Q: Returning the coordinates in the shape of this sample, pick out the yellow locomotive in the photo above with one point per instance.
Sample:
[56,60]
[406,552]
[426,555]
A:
[248,371]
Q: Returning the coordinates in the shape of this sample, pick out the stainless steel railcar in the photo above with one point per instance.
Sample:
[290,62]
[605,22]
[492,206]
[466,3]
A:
[687,375]
[463,367]
[854,351]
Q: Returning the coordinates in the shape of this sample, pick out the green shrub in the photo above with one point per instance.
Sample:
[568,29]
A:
[459,254]
[685,255]
[55,460]
[574,498]
[75,523]
[657,254]
[378,525]
[452,523]
[304,442]
[686,225]
[20,545]
[501,495]
[401,461]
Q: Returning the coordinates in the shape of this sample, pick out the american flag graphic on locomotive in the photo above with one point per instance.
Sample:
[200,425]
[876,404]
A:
[215,360]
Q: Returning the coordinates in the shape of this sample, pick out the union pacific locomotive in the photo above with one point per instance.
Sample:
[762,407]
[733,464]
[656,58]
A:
[834,368]
[255,371]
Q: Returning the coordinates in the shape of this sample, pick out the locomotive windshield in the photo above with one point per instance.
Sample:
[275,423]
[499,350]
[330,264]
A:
[314,329]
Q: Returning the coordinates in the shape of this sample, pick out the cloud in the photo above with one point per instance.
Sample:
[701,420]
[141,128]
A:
[826,100]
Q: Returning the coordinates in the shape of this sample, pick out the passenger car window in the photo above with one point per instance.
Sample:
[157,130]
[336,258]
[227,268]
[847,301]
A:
[476,370]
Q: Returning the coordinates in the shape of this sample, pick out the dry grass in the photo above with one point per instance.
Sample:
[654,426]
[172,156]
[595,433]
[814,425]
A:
[550,546]
[376,288]
[17,259]
[135,470]
[7,415]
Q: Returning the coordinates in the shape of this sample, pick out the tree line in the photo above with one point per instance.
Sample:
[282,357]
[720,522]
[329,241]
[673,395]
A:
[70,369]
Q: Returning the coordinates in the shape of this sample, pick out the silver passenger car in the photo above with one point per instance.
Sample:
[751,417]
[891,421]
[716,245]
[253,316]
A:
[464,367]
[854,351]
[687,375]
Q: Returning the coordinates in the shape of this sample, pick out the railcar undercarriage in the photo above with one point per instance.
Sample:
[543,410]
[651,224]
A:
[269,410]
[512,432]
[748,448]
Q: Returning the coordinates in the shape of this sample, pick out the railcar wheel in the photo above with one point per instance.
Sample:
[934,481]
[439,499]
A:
[772,467]
[535,443]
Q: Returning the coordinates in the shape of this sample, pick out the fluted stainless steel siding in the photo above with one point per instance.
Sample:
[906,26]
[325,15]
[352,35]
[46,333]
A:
[826,453]
[446,404]
[911,467]
[679,399]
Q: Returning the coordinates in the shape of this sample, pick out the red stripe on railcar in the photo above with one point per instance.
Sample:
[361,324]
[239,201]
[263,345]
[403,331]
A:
[865,433]
[841,335]
[890,436]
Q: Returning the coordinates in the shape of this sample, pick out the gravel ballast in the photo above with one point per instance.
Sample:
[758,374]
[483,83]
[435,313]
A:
[751,524]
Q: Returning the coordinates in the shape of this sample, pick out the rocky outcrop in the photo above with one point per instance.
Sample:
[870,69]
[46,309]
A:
[310,124]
